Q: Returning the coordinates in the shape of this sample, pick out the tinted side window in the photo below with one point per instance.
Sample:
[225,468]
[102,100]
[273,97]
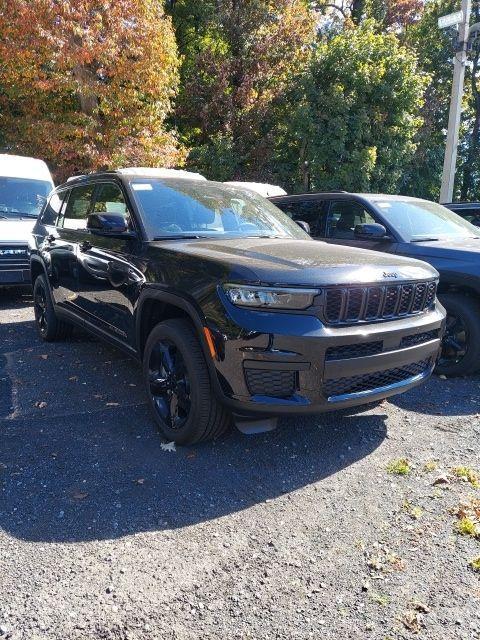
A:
[343,216]
[109,200]
[78,208]
[53,208]
[311,211]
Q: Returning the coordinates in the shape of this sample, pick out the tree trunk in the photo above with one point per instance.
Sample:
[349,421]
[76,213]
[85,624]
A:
[358,7]
[85,80]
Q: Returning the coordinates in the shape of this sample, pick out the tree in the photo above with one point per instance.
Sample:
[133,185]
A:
[356,114]
[239,58]
[89,84]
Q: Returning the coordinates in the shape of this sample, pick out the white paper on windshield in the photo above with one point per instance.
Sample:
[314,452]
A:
[142,186]
[384,205]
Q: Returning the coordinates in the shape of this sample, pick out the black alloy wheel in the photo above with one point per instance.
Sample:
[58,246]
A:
[40,308]
[455,342]
[49,325]
[178,383]
[460,353]
[169,384]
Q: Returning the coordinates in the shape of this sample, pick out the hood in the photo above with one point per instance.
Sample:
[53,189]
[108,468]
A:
[466,250]
[16,230]
[303,262]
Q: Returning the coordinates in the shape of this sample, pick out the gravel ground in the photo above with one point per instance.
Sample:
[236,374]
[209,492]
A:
[299,533]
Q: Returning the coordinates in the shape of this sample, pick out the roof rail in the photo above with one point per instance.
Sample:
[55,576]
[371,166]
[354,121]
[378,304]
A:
[160,172]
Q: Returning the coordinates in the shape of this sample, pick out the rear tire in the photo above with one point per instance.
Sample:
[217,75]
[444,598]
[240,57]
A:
[49,326]
[460,354]
[178,386]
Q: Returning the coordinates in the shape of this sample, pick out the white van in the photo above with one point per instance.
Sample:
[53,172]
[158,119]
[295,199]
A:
[24,186]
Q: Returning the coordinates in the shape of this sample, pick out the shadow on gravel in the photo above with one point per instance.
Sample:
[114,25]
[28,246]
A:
[89,464]
[449,397]
[105,475]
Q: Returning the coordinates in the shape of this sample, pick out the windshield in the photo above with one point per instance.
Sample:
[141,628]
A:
[187,208]
[417,220]
[22,197]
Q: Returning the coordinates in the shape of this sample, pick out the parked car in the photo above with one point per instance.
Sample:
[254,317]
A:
[470,211]
[24,186]
[262,188]
[418,229]
[231,307]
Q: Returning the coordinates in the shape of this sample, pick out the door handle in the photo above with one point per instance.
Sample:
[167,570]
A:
[85,245]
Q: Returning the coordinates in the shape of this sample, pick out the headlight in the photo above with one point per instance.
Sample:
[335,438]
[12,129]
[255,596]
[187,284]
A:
[269,297]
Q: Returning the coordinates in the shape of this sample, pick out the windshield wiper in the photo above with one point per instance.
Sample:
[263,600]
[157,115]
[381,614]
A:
[265,236]
[178,237]
[425,240]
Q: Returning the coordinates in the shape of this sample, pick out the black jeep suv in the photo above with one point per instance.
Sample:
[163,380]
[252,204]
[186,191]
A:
[418,229]
[231,307]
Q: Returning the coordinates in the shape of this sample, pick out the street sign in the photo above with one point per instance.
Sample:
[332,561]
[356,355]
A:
[450,19]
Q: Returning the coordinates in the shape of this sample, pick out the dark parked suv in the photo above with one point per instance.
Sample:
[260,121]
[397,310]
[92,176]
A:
[231,307]
[469,211]
[416,228]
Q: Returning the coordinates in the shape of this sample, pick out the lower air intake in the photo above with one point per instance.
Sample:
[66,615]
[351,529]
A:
[372,381]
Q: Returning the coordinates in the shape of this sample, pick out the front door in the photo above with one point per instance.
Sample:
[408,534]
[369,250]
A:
[108,275]
[342,218]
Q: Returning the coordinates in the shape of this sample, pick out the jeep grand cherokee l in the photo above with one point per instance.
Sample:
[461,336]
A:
[418,229]
[231,307]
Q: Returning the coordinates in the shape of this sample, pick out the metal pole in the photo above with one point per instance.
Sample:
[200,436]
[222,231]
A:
[450,160]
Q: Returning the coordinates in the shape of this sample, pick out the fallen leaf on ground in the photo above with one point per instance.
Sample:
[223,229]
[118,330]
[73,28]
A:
[140,481]
[40,404]
[411,621]
[44,356]
[420,606]
[112,404]
[80,495]
[168,446]
[73,378]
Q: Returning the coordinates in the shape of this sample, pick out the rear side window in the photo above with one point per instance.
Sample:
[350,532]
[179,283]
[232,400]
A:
[311,211]
[53,208]
[77,209]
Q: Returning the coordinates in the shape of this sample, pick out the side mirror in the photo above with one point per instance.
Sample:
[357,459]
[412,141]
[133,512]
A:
[372,231]
[303,225]
[108,223]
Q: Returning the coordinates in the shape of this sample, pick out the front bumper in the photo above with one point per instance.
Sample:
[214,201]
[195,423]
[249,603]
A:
[271,363]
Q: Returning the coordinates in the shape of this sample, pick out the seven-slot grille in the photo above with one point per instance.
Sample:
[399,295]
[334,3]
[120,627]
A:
[347,305]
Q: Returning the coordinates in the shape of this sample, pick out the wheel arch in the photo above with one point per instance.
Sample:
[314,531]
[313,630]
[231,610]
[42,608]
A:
[37,268]
[460,283]
[154,306]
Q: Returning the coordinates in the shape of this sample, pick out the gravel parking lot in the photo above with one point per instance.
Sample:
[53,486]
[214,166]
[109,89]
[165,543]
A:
[306,532]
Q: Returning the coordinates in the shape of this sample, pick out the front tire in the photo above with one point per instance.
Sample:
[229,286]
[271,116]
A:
[49,326]
[178,385]
[460,355]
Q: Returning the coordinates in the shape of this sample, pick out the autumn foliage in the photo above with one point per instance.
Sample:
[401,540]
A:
[88,82]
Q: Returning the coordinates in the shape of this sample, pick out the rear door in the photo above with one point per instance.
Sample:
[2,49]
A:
[60,247]
[309,210]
